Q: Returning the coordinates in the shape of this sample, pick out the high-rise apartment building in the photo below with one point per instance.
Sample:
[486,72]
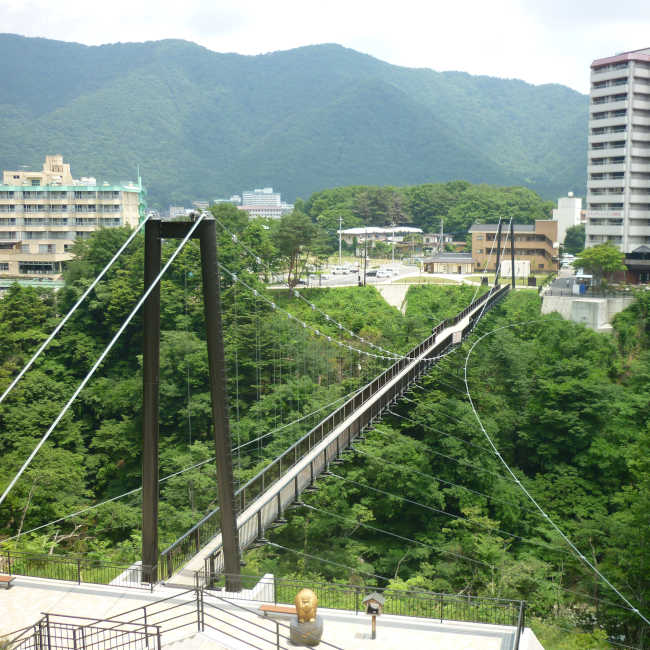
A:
[43,213]
[618,171]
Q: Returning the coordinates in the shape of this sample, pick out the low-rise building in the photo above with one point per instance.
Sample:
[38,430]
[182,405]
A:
[449,263]
[375,234]
[535,242]
[42,213]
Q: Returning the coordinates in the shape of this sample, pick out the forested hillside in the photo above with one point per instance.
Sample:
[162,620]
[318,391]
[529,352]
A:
[457,204]
[202,124]
[566,407]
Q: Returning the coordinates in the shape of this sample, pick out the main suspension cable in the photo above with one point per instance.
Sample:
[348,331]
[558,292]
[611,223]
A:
[580,556]
[67,317]
[101,358]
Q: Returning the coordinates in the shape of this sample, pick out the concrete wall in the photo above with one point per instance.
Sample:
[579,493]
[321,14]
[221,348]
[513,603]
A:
[596,313]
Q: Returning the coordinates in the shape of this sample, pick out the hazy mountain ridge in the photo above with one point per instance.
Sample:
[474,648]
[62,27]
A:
[202,124]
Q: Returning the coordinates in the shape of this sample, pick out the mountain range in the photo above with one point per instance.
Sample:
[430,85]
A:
[200,124]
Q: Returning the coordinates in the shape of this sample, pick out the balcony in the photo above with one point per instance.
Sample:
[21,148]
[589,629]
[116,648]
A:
[605,183]
[606,168]
[638,230]
[635,213]
[640,167]
[639,183]
[640,135]
[604,122]
[609,74]
[604,230]
[606,91]
[641,104]
[641,152]
[637,120]
[606,137]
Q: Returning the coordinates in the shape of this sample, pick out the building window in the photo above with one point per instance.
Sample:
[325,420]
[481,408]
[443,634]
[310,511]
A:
[4,266]
[541,266]
[46,248]
[36,182]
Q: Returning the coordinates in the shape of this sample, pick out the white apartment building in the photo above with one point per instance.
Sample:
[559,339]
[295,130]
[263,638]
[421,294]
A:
[42,213]
[264,203]
[567,214]
[618,171]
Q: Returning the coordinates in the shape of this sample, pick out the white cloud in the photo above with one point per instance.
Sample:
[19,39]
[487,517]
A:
[540,41]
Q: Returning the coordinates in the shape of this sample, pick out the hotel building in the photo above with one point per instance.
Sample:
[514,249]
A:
[42,214]
[618,183]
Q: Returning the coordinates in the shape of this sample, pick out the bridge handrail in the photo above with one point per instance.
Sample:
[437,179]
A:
[167,560]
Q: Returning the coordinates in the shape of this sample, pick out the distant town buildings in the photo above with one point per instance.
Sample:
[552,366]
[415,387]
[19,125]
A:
[42,213]
[567,214]
[535,243]
[264,203]
[618,184]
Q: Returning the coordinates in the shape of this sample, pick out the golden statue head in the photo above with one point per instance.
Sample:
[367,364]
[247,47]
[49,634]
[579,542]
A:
[306,605]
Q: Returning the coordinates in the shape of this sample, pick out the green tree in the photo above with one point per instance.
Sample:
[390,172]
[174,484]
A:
[293,236]
[601,260]
[574,240]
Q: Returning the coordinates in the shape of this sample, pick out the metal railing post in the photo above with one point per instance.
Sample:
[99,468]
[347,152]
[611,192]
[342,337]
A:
[78,571]
[47,629]
[146,629]
[520,623]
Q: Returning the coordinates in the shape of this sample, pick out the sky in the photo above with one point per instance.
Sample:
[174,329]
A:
[539,41]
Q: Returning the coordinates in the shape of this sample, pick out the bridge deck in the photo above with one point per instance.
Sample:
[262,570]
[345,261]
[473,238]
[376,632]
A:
[269,505]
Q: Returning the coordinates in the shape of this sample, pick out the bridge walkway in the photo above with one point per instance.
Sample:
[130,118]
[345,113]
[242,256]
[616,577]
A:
[312,454]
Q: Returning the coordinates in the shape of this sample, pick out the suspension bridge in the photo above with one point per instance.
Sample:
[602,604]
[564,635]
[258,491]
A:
[208,550]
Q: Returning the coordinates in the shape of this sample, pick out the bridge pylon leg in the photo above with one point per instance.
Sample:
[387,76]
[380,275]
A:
[222,437]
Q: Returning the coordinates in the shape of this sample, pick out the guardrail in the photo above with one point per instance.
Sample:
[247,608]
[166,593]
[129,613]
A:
[176,555]
[72,569]
[423,604]
[199,610]
[62,632]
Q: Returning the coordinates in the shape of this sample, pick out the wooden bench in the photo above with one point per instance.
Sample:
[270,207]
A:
[5,581]
[286,610]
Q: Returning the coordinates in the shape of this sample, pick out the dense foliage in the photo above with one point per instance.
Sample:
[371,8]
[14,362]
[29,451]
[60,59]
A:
[566,407]
[201,124]
[458,204]
[574,240]
[278,371]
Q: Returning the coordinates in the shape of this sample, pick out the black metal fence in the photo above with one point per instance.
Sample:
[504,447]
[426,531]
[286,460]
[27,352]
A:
[61,632]
[423,604]
[72,569]
[189,544]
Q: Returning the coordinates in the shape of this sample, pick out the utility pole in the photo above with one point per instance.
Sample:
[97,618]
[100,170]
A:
[365,256]
[512,251]
[498,267]
[340,228]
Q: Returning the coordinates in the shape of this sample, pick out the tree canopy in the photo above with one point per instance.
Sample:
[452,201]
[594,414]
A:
[601,260]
